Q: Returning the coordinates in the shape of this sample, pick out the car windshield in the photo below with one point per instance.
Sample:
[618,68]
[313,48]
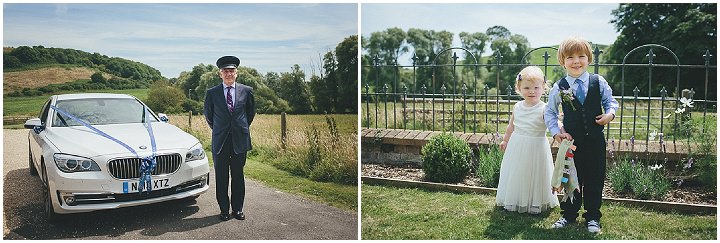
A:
[100,111]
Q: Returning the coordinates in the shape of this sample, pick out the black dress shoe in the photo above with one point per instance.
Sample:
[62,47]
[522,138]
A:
[239,215]
[224,216]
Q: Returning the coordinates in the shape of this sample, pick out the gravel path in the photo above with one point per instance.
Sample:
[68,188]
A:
[271,214]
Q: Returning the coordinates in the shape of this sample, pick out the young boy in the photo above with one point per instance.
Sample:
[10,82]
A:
[583,95]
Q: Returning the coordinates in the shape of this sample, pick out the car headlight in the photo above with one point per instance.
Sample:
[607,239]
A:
[195,153]
[71,163]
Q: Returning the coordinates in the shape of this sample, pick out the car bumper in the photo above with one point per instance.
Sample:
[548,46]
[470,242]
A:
[98,191]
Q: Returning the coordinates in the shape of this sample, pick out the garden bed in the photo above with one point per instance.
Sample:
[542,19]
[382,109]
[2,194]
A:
[684,194]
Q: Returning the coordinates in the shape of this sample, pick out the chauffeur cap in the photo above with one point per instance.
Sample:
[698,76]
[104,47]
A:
[228,62]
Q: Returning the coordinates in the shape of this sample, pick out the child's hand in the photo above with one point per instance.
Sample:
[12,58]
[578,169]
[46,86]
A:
[604,119]
[503,145]
[560,136]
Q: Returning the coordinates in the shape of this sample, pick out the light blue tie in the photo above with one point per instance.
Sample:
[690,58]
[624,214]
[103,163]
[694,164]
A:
[580,91]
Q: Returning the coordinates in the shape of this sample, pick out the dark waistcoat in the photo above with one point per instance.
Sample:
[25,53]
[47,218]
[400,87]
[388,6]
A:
[580,123]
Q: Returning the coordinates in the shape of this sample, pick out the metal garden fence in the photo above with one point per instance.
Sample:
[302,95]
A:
[463,103]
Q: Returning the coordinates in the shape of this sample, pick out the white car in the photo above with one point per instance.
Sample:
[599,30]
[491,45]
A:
[81,145]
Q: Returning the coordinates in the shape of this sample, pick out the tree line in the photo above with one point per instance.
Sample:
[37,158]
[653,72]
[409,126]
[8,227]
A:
[333,91]
[686,29]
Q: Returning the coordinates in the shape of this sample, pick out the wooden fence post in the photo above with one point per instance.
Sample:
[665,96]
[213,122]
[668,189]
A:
[283,129]
[190,121]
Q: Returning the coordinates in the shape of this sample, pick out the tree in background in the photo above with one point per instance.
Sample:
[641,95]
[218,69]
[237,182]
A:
[324,89]
[295,90]
[98,78]
[272,79]
[512,47]
[475,43]
[427,45]
[347,75]
[188,81]
[335,91]
[163,97]
[686,29]
[387,45]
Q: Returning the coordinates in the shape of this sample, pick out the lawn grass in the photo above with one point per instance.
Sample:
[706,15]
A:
[391,213]
[333,194]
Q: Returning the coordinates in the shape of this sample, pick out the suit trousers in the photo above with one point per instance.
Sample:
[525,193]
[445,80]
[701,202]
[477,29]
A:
[590,163]
[228,164]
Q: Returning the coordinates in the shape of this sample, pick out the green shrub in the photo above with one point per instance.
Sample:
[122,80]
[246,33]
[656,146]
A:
[650,183]
[192,105]
[446,158]
[706,153]
[489,160]
[31,92]
[707,170]
[163,97]
[621,175]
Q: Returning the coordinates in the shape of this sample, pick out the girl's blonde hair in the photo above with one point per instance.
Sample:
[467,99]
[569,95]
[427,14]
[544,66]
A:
[530,74]
[574,45]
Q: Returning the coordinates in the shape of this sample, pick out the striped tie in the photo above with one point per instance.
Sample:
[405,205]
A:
[229,100]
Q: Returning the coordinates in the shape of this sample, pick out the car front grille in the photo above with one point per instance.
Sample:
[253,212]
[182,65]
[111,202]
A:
[129,168]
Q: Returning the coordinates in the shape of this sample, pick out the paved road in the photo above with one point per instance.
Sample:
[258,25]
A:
[270,214]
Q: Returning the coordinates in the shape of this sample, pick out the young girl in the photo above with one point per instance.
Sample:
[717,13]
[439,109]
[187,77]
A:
[527,164]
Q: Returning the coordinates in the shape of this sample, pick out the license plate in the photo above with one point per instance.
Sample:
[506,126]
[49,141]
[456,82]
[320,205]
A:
[157,184]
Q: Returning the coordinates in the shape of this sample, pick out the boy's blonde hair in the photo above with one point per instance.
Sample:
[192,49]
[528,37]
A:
[574,45]
[530,74]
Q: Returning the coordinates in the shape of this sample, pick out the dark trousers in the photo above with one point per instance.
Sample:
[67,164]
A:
[590,164]
[229,164]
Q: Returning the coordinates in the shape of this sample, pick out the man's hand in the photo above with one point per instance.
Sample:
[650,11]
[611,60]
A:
[604,119]
[559,137]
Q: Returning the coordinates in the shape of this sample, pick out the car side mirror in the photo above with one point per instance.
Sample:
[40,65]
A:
[163,117]
[35,124]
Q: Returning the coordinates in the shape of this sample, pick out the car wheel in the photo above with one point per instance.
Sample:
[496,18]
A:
[31,166]
[50,214]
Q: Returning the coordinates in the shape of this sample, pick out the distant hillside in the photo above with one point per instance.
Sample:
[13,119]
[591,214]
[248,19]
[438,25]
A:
[41,77]
[36,70]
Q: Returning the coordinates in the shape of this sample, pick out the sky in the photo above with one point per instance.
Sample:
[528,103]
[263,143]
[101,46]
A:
[176,37]
[543,24]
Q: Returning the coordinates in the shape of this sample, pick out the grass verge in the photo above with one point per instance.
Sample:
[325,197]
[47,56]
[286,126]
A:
[334,194]
[391,213]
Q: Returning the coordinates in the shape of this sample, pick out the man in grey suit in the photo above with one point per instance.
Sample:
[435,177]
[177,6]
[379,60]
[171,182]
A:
[229,110]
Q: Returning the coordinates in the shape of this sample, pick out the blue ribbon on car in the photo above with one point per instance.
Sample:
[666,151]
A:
[147,164]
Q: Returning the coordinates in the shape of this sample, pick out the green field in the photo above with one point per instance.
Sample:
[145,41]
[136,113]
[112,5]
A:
[30,106]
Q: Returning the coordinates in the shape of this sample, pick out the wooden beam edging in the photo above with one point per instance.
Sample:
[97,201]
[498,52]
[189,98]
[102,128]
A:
[655,205]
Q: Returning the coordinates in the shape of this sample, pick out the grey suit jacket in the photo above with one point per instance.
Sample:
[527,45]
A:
[224,123]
